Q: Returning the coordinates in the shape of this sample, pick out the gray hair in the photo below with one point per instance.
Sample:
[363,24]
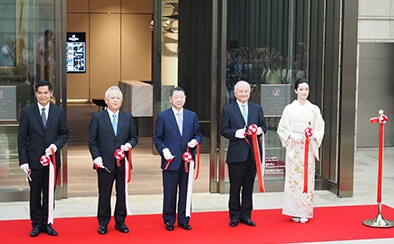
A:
[113,88]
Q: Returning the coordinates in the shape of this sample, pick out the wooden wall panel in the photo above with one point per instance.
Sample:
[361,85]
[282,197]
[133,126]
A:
[103,6]
[136,47]
[137,6]
[105,52]
[77,6]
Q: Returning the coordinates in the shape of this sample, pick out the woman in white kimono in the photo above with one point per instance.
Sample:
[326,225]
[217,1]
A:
[296,118]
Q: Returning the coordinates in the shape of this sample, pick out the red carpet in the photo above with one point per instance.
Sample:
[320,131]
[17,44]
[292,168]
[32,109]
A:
[329,224]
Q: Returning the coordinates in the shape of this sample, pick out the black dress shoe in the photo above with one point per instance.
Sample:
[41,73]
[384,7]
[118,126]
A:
[102,230]
[49,230]
[35,231]
[122,228]
[248,222]
[186,226]
[234,222]
[169,226]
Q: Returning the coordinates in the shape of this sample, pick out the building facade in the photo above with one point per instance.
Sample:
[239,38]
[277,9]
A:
[204,46]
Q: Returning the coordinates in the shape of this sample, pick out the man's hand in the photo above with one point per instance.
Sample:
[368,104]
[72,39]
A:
[48,151]
[167,154]
[25,167]
[192,143]
[126,147]
[240,133]
[98,162]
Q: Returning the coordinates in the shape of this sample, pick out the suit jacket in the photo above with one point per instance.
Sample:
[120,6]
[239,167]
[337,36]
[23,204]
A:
[34,138]
[102,140]
[232,120]
[167,135]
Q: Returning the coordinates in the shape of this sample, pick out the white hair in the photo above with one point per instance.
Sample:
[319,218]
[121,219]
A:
[113,88]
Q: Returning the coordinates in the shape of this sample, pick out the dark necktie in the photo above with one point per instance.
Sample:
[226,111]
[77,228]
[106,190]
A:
[44,117]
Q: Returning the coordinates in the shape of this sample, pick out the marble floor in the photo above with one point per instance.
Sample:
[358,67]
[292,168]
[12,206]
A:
[145,189]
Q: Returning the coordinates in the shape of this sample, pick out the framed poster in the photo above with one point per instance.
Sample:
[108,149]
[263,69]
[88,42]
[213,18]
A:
[8,103]
[274,98]
[75,52]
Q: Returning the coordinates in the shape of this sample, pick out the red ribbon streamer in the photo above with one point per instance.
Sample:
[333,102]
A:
[306,157]
[308,135]
[382,119]
[253,131]
[130,168]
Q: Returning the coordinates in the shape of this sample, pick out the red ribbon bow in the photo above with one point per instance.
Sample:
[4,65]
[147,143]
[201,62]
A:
[119,155]
[187,157]
[45,160]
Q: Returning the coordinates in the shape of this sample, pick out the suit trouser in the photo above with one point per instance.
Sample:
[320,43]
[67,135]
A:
[242,176]
[171,181]
[39,196]
[105,183]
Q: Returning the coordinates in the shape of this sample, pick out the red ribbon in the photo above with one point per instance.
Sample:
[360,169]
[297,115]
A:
[308,135]
[187,157]
[119,155]
[130,168]
[252,129]
[45,161]
[382,119]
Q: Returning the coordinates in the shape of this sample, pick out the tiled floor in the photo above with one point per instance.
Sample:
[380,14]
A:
[145,189]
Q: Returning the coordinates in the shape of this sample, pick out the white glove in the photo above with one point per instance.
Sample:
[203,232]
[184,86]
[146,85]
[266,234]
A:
[297,137]
[240,133]
[126,147]
[48,151]
[98,162]
[259,131]
[167,154]
[192,143]
[25,167]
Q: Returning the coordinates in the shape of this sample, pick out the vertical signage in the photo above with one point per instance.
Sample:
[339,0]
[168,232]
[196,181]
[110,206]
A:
[75,52]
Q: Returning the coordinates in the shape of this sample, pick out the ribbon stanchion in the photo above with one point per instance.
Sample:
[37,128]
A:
[379,220]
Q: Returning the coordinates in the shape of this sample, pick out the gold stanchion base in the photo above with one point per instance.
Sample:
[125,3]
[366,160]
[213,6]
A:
[379,222]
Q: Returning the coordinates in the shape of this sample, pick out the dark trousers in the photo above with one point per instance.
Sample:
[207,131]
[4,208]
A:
[242,176]
[39,196]
[105,183]
[171,181]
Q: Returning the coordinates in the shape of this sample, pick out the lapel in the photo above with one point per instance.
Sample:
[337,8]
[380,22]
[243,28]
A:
[107,121]
[37,115]
[172,119]
[239,113]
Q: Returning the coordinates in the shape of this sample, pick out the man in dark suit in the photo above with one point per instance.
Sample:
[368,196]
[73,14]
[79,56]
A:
[42,129]
[236,117]
[171,141]
[110,130]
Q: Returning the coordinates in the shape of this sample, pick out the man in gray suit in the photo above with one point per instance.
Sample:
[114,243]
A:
[42,129]
[110,130]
